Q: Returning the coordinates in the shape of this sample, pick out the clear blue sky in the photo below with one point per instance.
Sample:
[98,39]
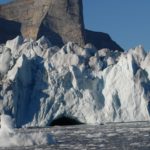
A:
[126,21]
[4,1]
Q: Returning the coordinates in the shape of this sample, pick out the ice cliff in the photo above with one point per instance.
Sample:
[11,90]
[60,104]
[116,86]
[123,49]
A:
[40,82]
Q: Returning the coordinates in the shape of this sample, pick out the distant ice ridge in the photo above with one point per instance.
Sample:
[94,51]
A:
[41,82]
[9,138]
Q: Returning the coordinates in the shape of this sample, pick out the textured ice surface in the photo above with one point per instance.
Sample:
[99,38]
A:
[40,83]
[112,136]
[10,138]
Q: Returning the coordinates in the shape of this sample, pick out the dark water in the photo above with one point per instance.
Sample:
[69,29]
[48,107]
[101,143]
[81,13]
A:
[120,136]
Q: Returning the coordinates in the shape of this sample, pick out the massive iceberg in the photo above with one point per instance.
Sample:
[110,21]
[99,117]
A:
[40,83]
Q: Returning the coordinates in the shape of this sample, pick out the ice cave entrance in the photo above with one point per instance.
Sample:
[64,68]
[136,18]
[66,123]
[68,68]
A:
[65,121]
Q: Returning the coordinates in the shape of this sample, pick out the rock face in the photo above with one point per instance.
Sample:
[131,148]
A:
[9,29]
[101,40]
[60,21]
[64,22]
[41,83]
[29,13]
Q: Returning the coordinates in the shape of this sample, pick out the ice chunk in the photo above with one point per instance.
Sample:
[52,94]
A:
[5,58]
[9,137]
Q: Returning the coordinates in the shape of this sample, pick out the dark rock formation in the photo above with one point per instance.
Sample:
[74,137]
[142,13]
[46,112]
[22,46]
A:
[101,40]
[59,20]
[9,29]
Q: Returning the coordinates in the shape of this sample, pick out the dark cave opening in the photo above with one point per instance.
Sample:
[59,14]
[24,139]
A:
[65,121]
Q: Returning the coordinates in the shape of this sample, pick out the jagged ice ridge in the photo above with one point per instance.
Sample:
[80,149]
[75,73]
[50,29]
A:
[41,82]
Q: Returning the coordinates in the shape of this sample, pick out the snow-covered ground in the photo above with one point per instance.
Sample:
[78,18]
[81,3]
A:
[40,82]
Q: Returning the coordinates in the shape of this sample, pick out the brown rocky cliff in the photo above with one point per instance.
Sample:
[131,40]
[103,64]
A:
[64,22]
[29,13]
[59,20]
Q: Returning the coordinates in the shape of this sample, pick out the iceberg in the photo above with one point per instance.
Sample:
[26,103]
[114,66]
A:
[41,82]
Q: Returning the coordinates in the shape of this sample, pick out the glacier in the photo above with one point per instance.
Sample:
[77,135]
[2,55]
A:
[40,82]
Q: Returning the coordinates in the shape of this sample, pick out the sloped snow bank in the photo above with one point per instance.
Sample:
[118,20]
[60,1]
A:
[40,83]
[9,137]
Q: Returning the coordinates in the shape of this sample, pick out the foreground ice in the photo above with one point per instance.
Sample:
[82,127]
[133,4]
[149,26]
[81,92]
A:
[40,83]
[9,138]
[111,136]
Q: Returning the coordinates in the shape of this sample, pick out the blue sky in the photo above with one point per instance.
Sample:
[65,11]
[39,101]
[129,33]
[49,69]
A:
[4,1]
[126,21]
